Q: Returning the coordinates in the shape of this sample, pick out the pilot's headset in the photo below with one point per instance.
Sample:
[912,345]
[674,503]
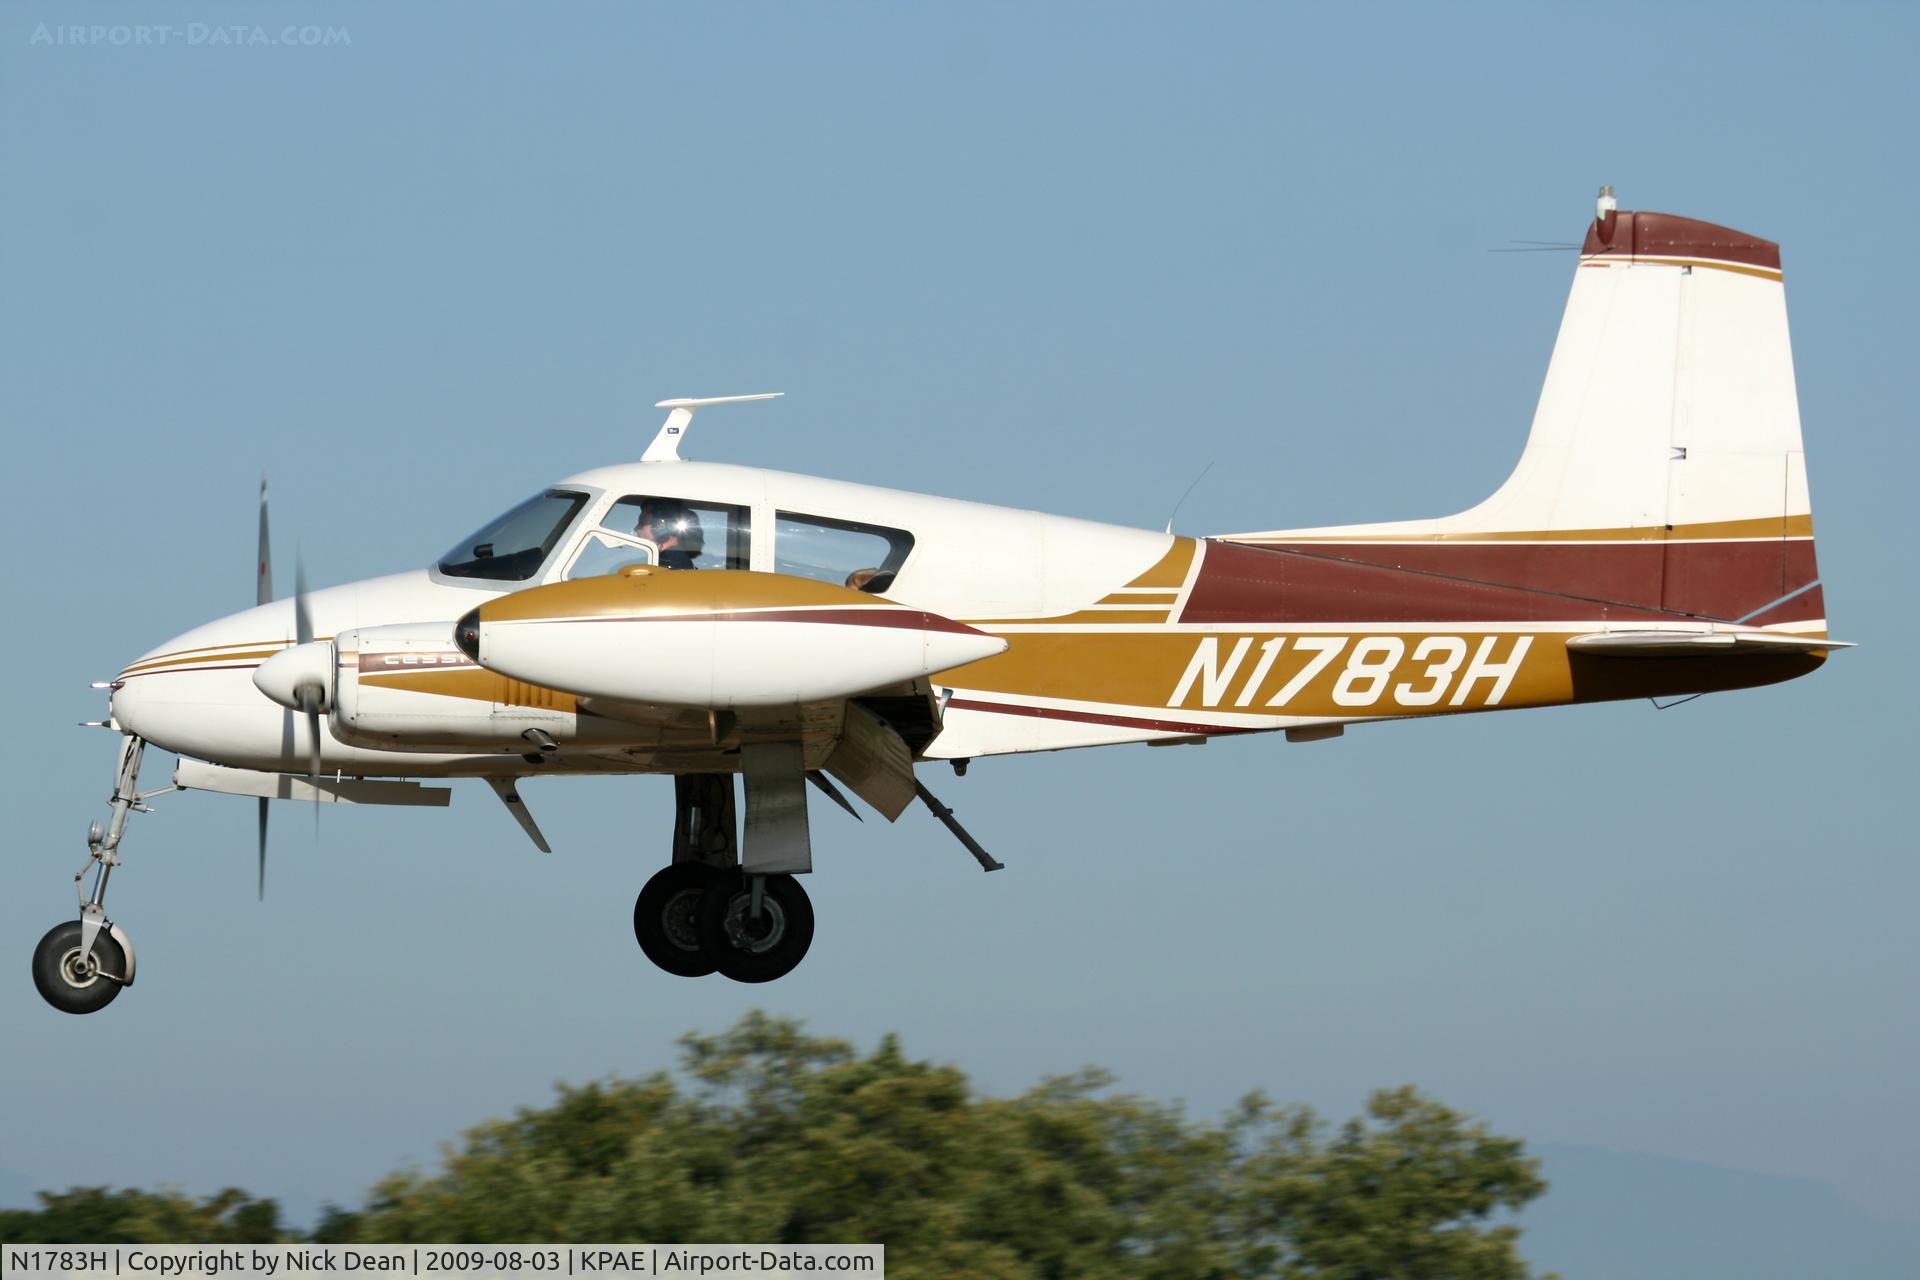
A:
[677,519]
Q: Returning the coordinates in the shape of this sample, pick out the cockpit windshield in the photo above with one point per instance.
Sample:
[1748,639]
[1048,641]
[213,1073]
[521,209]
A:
[513,547]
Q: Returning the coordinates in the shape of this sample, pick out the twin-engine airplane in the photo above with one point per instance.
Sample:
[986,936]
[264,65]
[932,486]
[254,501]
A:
[704,620]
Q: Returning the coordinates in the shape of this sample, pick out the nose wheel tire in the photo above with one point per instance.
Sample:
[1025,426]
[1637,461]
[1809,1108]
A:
[666,917]
[70,982]
[747,948]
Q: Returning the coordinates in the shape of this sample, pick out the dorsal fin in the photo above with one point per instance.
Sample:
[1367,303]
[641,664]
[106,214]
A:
[666,445]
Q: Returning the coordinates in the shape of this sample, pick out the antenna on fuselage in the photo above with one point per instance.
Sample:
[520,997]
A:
[1186,493]
[666,445]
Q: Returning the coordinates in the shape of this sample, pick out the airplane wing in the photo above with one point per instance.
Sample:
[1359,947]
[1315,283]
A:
[739,654]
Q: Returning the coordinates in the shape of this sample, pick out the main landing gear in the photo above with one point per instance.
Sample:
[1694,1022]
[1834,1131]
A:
[81,965]
[712,911]
[692,920]
[742,913]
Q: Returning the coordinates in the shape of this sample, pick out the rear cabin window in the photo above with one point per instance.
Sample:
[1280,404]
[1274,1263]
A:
[862,556]
[685,534]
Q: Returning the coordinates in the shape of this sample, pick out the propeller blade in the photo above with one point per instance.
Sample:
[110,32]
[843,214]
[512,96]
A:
[310,703]
[302,620]
[262,594]
[312,707]
[263,570]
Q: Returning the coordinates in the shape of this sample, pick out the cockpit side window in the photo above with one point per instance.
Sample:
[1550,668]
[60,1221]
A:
[513,547]
[862,556]
[684,534]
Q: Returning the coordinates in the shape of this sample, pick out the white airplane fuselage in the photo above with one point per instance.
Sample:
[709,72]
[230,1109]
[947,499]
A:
[195,694]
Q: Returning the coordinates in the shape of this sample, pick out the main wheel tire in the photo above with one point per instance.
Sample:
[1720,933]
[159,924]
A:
[70,984]
[749,950]
[666,917]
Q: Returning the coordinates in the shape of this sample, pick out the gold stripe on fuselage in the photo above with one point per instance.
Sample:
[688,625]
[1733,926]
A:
[158,664]
[475,685]
[1165,579]
[1355,672]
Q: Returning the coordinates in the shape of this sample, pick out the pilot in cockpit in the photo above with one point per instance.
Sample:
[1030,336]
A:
[674,528]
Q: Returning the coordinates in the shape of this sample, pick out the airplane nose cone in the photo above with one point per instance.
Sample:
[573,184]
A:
[304,666]
[126,708]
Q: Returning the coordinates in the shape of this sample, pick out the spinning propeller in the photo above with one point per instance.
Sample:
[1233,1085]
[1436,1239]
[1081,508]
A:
[307,691]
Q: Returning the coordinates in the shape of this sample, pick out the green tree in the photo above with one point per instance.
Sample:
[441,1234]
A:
[95,1215]
[773,1135]
[783,1137]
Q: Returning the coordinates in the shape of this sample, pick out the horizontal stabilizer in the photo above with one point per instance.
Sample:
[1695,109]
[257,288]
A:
[1700,644]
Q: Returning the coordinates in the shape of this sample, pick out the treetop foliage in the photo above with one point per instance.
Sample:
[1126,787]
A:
[772,1135]
[95,1215]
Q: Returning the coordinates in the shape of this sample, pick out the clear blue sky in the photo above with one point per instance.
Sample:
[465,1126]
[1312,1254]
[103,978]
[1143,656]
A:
[1051,256]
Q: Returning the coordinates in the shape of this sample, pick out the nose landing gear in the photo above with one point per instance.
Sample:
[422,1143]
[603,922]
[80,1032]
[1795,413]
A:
[81,965]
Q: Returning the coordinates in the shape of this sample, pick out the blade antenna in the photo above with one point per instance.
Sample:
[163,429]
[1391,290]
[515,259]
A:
[666,445]
[1186,493]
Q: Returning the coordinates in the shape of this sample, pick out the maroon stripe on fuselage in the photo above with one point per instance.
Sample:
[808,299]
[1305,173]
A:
[1501,581]
[1095,717]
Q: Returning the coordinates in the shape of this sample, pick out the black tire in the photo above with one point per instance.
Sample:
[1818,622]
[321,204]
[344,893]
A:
[750,952]
[666,917]
[64,983]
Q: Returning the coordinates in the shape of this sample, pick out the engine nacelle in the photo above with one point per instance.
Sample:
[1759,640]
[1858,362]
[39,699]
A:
[408,688]
[720,639]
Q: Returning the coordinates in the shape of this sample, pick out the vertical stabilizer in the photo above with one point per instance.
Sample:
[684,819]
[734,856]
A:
[1668,416]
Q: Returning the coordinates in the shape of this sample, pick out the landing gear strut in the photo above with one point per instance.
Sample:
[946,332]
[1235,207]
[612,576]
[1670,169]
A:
[706,849]
[80,965]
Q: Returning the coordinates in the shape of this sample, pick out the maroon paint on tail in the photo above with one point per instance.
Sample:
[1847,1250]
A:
[1666,235]
[1503,582]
